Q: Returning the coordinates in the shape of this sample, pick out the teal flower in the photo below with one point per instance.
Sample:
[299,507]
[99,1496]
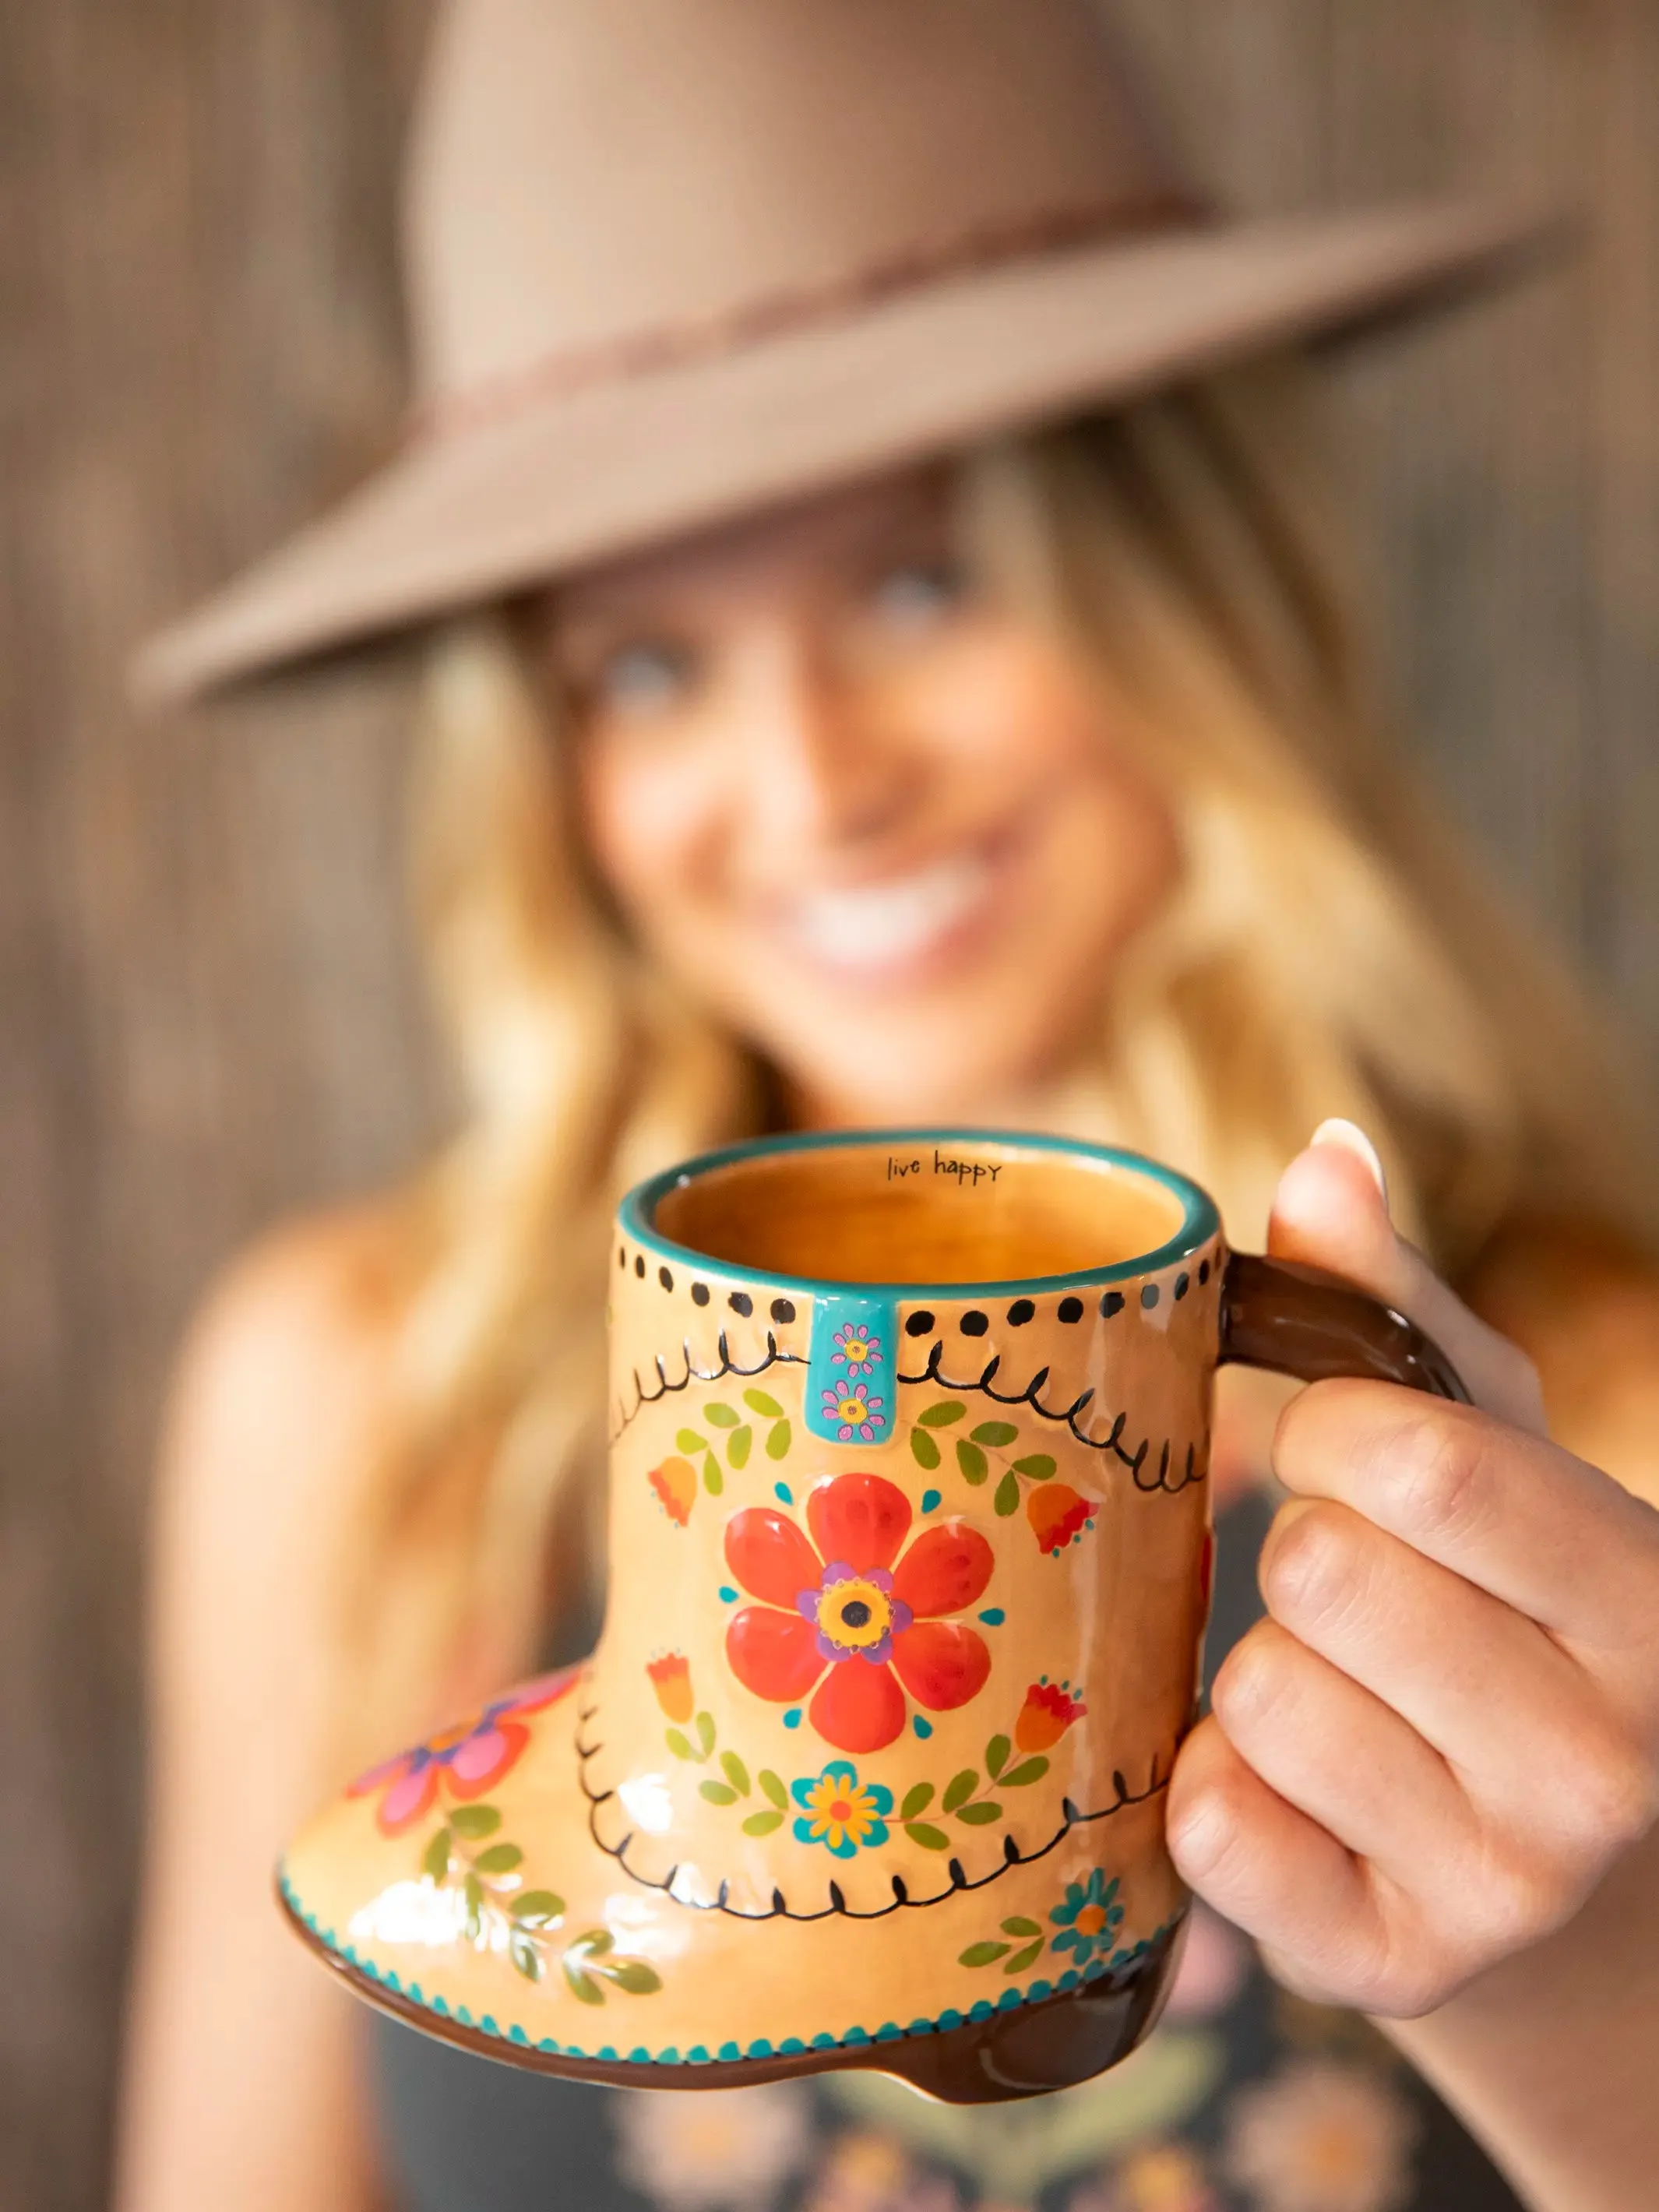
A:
[840,1812]
[1088,1918]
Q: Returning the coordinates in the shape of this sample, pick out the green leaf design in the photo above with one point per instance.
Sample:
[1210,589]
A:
[723,1416]
[983,1955]
[435,1859]
[923,1450]
[1028,1770]
[996,1755]
[705,1727]
[778,1439]
[1022,1959]
[472,1889]
[1020,1926]
[917,1799]
[930,1839]
[996,1433]
[634,1975]
[500,1858]
[762,1824]
[736,1772]
[1006,1500]
[688,1440]
[942,1415]
[537,1907]
[1038,1465]
[737,1449]
[758,1402]
[972,1461]
[717,1793]
[772,1784]
[583,1988]
[525,1957]
[712,1480]
[680,1745]
[959,1789]
[473,1821]
[595,1943]
[979,1816]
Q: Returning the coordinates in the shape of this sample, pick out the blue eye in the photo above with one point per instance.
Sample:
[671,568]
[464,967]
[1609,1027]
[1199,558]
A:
[919,594]
[643,679]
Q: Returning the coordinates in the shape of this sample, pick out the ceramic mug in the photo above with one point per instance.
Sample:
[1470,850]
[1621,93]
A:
[910,1565]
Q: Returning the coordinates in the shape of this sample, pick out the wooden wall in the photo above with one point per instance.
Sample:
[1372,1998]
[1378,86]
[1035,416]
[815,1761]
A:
[206,1014]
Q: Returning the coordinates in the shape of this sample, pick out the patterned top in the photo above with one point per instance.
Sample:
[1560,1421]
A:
[1245,2099]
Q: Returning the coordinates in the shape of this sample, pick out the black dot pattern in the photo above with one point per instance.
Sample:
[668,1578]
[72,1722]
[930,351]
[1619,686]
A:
[665,1278]
[1111,1303]
[639,1265]
[1020,1312]
[975,1323]
[1149,1295]
[622,1256]
[699,1294]
[1203,1271]
[741,1303]
[783,1310]
[919,1323]
[1183,1284]
[1070,1310]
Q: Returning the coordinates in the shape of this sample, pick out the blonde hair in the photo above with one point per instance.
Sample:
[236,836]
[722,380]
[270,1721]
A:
[1328,953]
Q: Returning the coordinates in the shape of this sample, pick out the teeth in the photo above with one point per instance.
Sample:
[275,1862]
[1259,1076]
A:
[879,924]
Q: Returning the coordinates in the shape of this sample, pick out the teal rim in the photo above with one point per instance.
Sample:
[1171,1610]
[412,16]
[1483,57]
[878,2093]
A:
[636,1216]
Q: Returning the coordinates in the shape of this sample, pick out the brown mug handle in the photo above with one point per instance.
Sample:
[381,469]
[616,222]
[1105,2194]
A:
[1302,1321]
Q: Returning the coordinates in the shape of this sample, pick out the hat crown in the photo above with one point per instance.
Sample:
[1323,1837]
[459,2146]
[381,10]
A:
[585,176]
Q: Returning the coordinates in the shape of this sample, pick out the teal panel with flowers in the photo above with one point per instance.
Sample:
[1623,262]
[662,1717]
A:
[849,1375]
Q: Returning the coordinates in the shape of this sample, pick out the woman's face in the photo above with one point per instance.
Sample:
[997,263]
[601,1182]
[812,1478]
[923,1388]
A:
[879,825]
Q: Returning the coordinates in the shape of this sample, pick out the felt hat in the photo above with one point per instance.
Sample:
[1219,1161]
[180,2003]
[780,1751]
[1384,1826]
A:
[669,262]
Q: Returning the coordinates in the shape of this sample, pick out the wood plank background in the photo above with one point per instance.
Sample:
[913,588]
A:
[206,1013]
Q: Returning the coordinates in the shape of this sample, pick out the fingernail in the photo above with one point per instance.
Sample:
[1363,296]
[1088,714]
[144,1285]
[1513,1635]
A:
[1353,1139]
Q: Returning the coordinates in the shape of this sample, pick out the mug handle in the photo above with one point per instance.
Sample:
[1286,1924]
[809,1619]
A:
[1302,1321]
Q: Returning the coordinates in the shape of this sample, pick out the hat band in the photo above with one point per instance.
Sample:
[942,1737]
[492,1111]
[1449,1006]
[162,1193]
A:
[571,369]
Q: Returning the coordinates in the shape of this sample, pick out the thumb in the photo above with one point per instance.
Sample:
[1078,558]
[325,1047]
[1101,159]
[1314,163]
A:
[1331,1211]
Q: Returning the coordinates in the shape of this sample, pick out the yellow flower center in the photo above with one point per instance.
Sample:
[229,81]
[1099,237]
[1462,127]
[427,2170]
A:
[852,1409]
[856,1349]
[855,1613]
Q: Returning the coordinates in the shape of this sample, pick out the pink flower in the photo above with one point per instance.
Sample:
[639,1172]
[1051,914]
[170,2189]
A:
[858,1413]
[468,1759]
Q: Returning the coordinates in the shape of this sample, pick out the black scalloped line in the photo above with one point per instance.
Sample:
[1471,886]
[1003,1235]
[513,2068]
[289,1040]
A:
[1067,1417]
[643,1397]
[838,1906]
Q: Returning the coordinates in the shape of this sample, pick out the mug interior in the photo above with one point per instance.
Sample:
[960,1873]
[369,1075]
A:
[917,1208]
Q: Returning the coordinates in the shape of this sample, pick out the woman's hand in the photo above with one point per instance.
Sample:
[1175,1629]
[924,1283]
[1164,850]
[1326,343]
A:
[1446,1729]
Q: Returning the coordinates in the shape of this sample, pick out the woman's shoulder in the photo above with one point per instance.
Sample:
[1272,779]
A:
[284,1386]
[1583,1302]
[312,1306]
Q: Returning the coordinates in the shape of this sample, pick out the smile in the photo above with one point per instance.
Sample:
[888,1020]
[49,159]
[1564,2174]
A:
[865,929]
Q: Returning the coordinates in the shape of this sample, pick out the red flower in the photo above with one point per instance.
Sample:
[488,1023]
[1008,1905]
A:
[848,1613]
[1059,1516]
[470,1758]
[1048,1711]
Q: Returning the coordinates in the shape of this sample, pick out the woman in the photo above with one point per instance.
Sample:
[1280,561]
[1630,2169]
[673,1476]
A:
[829,749]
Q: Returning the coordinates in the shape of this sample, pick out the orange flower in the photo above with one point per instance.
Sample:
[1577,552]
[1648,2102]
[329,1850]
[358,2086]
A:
[670,1678]
[1059,1516]
[1047,1712]
[675,1483]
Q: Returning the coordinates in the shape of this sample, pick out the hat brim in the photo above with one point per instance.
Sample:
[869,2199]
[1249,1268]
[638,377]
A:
[506,497]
